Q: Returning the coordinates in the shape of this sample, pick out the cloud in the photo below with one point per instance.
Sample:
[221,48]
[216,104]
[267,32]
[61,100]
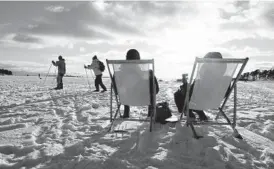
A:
[263,44]
[242,4]
[82,49]
[170,32]
[263,65]
[77,30]
[159,8]
[24,66]
[269,16]
[55,8]
[26,39]
[85,20]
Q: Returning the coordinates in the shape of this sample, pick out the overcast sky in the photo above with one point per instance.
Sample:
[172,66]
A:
[173,33]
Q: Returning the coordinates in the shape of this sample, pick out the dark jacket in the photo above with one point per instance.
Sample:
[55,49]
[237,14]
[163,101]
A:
[151,82]
[61,66]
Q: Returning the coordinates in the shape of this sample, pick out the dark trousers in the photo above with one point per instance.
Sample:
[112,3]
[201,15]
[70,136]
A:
[200,113]
[98,81]
[60,80]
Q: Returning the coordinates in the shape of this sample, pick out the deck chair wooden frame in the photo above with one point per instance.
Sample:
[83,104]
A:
[233,83]
[114,92]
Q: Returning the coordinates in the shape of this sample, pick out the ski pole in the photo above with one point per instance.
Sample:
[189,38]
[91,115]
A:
[92,74]
[55,75]
[87,79]
[47,74]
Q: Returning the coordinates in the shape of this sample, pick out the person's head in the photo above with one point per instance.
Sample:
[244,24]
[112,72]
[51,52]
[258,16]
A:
[94,57]
[216,55]
[133,54]
[60,57]
[214,69]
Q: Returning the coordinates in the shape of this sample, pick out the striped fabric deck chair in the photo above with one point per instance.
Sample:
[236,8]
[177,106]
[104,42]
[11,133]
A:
[131,86]
[212,78]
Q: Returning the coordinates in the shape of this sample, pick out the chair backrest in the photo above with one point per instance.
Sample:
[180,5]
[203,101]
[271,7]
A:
[211,81]
[132,80]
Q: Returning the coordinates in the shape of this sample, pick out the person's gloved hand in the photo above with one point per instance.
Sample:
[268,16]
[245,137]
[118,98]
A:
[85,66]
[53,62]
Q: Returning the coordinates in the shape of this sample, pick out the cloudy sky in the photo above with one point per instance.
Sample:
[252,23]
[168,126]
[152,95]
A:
[173,33]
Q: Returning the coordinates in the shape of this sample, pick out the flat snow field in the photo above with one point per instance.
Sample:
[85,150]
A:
[67,129]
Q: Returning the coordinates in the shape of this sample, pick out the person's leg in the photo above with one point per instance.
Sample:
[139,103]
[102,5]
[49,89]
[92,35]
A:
[101,83]
[58,81]
[97,82]
[126,111]
[201,115]
[61,81]
[191,114]
[150,110]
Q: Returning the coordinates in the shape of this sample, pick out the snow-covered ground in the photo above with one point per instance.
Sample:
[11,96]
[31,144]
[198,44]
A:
[47,129]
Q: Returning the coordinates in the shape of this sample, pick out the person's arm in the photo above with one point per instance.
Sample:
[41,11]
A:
[155,81]
[87,67]
[65,69]
[54,64]
[156,84]
[91,66]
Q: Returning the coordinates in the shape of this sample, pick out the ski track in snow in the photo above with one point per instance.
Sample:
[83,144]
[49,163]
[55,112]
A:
[48,129]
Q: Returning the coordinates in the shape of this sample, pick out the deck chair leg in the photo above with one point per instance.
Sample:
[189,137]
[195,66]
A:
[152,115]
[195,135]
[236,133]
[235,106]
[116,113]
[111,103]
[150,125]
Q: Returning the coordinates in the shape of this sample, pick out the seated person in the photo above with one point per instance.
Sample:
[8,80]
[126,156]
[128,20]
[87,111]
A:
[133,54]
[200,113]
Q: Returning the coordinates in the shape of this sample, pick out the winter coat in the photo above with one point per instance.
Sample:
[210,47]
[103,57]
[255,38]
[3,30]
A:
[61,66]
[95,67]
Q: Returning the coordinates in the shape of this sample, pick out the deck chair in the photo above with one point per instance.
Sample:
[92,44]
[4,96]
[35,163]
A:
[131,86]
[212,78]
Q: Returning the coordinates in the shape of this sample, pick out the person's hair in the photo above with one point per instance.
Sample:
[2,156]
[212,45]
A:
[94,57]
[133,54]
[213,55]
[220,68]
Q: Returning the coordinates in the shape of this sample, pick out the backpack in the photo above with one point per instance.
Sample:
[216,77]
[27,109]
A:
[101,66]
[162,112]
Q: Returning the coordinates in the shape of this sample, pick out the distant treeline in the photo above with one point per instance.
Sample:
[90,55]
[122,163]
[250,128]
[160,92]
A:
[72,76]
[258,74]
[5,72]
[65,76]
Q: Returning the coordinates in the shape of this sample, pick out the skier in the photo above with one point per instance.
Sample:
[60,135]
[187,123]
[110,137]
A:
[98,67]
[61,71]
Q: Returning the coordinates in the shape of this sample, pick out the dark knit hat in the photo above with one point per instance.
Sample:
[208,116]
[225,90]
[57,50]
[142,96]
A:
[94,57]
[133,54]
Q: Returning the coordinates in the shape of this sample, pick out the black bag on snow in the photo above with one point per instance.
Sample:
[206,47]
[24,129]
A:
[162,112]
